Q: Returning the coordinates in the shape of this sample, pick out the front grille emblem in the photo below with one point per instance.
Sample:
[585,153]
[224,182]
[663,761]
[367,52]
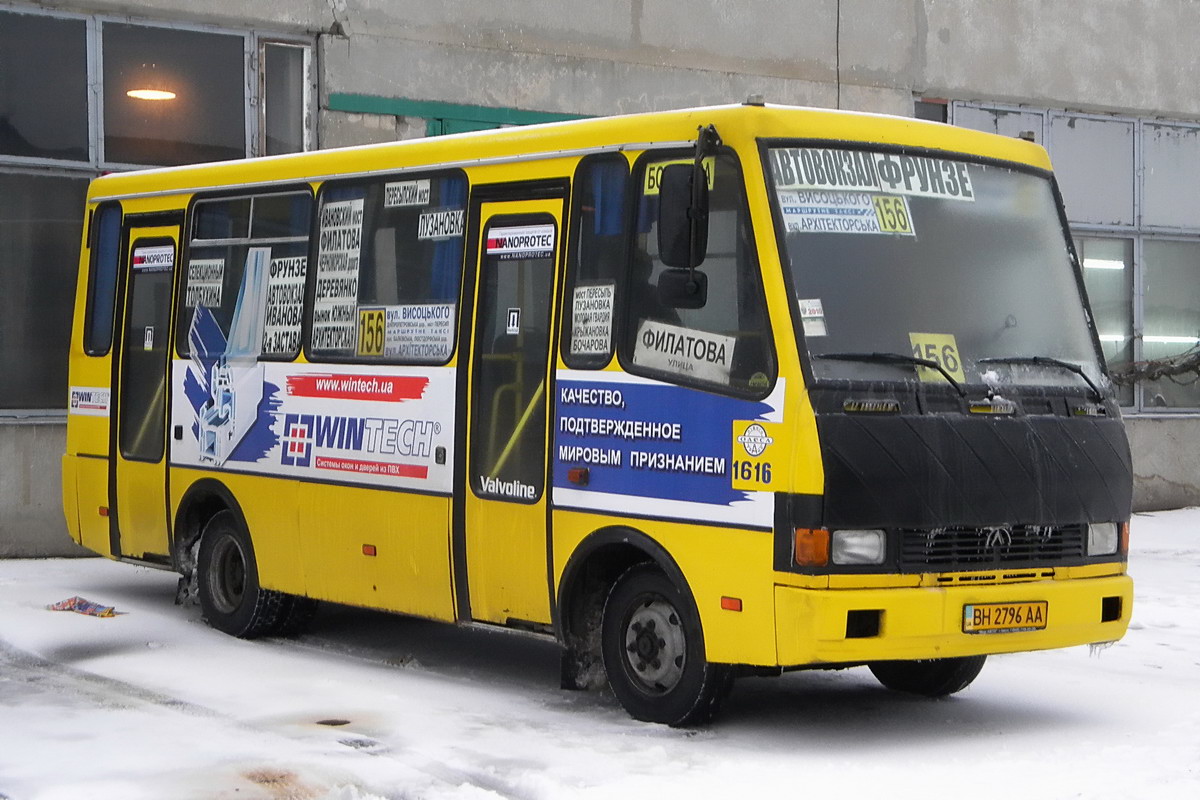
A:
[996,538]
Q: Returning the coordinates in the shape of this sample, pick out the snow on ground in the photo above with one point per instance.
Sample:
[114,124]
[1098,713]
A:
[153,704]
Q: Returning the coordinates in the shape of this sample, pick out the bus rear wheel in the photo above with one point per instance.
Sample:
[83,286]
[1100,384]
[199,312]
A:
[653,650]
[231,599]
[935,677]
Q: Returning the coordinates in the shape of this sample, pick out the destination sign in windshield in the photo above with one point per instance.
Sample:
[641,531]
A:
[829,168]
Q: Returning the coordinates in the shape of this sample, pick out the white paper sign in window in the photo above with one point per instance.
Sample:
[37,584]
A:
[812,317]
[419,332]
[206,276]
[336,299]
[684,351]
[591,319]
[285,305]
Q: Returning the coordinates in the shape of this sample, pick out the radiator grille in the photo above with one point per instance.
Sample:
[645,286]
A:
[945,549]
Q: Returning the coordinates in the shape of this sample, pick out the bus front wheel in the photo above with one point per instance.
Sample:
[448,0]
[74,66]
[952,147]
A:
[230,597]
[653,650]
[935,677]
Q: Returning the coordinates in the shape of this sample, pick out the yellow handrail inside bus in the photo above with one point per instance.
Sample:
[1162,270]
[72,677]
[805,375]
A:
[517,431]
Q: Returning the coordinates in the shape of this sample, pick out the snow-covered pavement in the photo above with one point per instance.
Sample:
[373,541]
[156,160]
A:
[153,704]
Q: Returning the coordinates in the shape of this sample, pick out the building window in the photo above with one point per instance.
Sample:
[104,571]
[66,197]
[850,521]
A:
[40,226]
[43,110]
[286,105]
[1094,164]
[172,96]
[1128,185]
[1108,276]
[1171,156]
[1171,319]
[931,110]
[163,95]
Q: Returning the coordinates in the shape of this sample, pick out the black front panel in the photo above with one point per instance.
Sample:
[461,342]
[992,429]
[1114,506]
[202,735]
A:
[961,470]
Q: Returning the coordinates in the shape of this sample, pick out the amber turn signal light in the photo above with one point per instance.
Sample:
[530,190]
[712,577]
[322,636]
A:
[811,547]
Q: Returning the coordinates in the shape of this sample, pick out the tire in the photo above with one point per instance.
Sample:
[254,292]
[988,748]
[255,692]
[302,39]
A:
[937,677]
[231,599]
[653,650]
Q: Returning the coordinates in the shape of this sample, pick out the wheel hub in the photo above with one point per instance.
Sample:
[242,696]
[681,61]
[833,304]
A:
[655,645]
[228,580]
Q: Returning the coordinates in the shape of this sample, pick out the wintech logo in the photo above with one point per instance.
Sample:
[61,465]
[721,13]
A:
[376,435]
[297,440]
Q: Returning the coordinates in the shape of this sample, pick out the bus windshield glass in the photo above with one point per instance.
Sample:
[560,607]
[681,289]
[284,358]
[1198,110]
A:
[961,263]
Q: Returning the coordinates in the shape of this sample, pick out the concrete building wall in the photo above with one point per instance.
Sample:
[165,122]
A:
[1166,461]
[31,515]
[1130,57]
[620,56]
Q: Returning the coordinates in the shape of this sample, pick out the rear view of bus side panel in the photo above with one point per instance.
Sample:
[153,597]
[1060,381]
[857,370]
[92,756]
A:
[85,464]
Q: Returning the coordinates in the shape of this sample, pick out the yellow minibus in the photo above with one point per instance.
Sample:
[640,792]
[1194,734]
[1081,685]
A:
[700,393]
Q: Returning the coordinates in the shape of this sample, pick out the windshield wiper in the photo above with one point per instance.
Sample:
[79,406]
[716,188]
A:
[895,358]
[1045,361]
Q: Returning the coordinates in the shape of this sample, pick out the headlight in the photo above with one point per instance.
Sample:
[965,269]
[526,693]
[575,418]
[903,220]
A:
[858,547]
[1102,539]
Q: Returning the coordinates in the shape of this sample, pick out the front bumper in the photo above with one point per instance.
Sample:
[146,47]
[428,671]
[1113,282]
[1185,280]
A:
[815,626]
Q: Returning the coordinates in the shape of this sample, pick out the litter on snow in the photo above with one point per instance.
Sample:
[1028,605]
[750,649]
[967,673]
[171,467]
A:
[82,606]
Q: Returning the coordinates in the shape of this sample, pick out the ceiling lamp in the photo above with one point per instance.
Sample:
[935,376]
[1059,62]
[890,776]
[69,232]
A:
[149,85]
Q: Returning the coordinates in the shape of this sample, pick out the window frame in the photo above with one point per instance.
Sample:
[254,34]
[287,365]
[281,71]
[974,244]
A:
[309,128]
[571,271]
[622,335]
[1144,272]
[91,45]
[314,246]
[478,420]
[39,412]
[89,319]
[254,42]
[186,245]
[128,342]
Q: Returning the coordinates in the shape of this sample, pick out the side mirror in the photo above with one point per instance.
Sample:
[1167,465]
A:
[683,288]
[682,216]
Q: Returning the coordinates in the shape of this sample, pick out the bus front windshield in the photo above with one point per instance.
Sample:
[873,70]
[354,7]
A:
[944,260]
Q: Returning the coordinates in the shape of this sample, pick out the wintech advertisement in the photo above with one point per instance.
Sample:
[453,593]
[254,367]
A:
[656,449]
[356,424]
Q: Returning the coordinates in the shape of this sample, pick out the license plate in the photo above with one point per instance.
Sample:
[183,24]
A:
[1005,617]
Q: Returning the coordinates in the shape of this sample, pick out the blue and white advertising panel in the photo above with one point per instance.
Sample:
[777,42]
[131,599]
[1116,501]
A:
[660,450]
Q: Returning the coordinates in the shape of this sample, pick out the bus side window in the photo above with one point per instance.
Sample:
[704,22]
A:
[597,254]
[725,345]
[102,282]
[247,258]
[389,269]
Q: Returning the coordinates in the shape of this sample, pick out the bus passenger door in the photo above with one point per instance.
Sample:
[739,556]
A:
[138,493]
[506,514]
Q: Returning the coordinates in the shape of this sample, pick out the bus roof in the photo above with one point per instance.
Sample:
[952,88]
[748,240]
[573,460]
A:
[738,125]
